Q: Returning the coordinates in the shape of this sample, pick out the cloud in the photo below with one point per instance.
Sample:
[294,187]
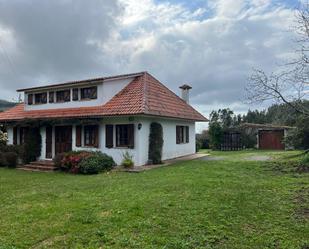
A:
[211,46]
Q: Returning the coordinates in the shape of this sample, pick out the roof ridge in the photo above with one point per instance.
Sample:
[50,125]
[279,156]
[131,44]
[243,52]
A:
[145,92]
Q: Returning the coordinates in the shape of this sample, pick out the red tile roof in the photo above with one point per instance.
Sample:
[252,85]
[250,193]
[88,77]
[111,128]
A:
[143,96]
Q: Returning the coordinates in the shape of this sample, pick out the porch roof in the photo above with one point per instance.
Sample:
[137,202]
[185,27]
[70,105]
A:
[145,95]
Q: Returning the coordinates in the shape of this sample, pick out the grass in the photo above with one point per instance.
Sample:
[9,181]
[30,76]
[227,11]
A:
[231,203]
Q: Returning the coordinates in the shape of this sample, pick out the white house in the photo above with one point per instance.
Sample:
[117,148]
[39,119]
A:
[110,114]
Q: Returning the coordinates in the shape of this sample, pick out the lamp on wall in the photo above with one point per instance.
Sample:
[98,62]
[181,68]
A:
[139,126]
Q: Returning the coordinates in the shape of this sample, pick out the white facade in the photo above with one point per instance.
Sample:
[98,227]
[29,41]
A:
[141,139]
[106,90]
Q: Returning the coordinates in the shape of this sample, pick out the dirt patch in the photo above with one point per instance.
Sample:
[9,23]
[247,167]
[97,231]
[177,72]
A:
[302,203]
[258,158]
[212,158]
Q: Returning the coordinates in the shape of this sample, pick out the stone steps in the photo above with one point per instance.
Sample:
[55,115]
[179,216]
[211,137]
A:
[43,166]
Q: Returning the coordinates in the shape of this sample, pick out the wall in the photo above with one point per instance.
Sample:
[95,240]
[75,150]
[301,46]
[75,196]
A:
[106,91]
[170,148]
[140,152]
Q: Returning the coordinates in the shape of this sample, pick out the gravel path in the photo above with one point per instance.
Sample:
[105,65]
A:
[258,158]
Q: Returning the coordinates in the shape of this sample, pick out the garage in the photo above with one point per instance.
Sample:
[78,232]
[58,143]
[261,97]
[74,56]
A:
[271,139]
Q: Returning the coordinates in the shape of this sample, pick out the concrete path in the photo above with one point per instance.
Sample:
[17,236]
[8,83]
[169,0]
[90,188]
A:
[165,163]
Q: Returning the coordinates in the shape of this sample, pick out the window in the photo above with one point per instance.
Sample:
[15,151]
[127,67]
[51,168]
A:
[125,135]
[40,98]
[91,135]
[182,134]
[75,94]
[63,96]
[109,136]
[30,99]
[51,97]
[78,136]
[23,131]
[89,93]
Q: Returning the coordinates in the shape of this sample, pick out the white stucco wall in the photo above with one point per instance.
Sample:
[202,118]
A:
[170,148]
[141,139]
[10,134]
[106,91]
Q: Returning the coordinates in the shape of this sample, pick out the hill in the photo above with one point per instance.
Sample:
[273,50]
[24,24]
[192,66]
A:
[6,104]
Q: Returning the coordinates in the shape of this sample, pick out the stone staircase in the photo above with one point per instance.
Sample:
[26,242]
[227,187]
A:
[41,165]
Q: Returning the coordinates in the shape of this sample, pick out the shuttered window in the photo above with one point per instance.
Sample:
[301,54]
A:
[91,135]
[109,136]
[30,99]
[182,134]
[78,136]
[23,131]
[15,135]
[187,134]
[125,135]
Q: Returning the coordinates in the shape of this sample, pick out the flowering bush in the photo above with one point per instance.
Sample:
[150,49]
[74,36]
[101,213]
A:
[84,162]
[3,137]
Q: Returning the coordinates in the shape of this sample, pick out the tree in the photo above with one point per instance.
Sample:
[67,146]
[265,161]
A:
[290,83]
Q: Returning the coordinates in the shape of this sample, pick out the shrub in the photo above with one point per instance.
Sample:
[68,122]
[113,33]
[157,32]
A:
[69,161]
[305,160]
[155,143]
[84,162]
[32,146]
[127,160]
[95,163]
[11,159]
[3,162]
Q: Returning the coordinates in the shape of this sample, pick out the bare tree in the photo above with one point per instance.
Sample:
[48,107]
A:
[290,84]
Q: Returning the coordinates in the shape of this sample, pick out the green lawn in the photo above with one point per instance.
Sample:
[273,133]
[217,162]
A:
[198,204]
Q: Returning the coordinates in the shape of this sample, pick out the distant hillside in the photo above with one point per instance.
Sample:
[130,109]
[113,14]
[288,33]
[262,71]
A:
[5,105]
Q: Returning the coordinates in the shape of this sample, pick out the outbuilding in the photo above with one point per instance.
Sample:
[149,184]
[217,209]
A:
[268,136]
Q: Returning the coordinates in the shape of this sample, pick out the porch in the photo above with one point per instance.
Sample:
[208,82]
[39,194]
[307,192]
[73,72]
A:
[111,136]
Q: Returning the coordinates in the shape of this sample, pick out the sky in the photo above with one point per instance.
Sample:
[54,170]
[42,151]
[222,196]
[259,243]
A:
[212,45]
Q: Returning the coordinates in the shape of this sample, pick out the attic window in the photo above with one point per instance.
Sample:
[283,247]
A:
[63,96]
[40,98]
[89,93]
[30,99]
[75,94]
[51,97]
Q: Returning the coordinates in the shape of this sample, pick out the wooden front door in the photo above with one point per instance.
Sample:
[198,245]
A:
[271,140]
[49,142]
[63,139]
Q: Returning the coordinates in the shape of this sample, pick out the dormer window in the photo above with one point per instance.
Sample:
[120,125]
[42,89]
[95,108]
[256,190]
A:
[51,97]
[30,99]
[63,96]
[89,93]
[75,94]
[40,98]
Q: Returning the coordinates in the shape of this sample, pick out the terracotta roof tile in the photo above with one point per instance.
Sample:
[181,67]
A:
[144,96]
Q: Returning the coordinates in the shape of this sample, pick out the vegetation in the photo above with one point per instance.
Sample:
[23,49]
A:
[127,160]
[155,143]
[9,155]
[32,146]
[84,162]
[230,203]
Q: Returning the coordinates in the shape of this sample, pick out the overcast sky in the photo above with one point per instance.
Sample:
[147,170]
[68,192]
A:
[210,44]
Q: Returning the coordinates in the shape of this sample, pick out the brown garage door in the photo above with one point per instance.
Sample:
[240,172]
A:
[271,140]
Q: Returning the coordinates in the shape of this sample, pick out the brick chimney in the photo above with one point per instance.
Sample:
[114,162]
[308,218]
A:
[185,92]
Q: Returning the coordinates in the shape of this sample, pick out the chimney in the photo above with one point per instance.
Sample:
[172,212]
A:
[185,92]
